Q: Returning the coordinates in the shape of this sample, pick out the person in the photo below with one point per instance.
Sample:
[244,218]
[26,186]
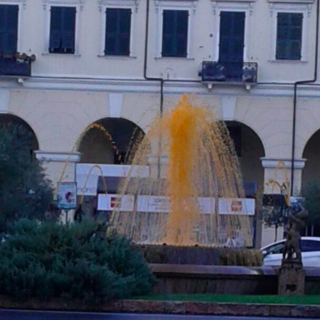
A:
[78,213]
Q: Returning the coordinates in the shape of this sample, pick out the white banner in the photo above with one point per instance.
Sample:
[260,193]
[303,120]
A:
[162,204]
[107,170]
[207,205]
[110,202]
[153,204]
[237,206]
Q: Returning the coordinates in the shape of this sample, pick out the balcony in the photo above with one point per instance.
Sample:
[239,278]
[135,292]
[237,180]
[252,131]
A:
[16,65]
[229,72]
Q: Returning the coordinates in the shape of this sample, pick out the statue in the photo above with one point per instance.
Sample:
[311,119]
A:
[291,273]
[296,215]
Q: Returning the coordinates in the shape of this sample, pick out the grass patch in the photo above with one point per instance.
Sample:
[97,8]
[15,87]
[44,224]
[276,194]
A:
[269,299]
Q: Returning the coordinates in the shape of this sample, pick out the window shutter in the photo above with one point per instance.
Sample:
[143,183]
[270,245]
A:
[182,21]
[168,33]
[111,31]
[69,27]
[62,30]
[226,35]
[124,32]
[296,36]
[55,29]
[289,36]
[118,29]
[175,33]
[8,28]
[12,28]
[2,28]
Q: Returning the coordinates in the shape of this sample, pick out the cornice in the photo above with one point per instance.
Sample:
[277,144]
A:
[292,1]
[272,163]
[58,156]
[143,86]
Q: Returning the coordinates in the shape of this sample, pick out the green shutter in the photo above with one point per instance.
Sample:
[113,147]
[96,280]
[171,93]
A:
[8,28]
[175,33]
[118,28]
[289,36]
[62,30]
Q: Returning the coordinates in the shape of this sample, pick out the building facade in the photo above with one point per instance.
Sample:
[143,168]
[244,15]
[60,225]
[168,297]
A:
[119,63]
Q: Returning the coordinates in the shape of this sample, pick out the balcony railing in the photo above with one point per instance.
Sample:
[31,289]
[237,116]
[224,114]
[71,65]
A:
[240,72]
[18,65]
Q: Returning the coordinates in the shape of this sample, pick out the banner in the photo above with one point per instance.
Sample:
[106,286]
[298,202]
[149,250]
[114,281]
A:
[162,204]
[110,202]
[237,206]
[153,204]
[67,195]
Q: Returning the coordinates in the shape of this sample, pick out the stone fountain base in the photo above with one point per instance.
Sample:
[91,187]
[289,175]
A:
[202,256]
[291,278]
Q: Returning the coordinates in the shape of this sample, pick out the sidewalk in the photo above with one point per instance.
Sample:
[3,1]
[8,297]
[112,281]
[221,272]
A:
[170,307]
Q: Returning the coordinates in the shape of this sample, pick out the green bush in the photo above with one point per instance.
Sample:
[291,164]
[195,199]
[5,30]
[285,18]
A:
[48,260]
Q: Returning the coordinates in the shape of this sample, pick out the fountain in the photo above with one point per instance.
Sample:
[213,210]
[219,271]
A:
[193,168]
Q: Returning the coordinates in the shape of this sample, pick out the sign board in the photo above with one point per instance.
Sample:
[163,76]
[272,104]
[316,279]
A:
[237,206]
[67,195]
[207,205]
[110,202]
[153,204]
[162,204]
[89,185]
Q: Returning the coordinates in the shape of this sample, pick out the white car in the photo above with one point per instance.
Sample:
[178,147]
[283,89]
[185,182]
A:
[310,247]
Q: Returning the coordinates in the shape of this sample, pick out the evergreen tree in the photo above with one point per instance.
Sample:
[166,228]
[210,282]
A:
[311,194]
[24,190]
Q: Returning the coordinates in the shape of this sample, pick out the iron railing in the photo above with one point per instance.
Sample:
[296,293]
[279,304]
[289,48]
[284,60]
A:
[18,65]
[246,72]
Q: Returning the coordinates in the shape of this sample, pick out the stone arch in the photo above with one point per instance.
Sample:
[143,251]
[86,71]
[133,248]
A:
[109,141]
[311,153]
[6,118]
[250,149]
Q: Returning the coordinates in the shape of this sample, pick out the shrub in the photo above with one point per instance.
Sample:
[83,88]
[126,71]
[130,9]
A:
[48,260]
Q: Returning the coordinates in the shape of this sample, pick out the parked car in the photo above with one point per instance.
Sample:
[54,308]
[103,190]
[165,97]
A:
[272,253]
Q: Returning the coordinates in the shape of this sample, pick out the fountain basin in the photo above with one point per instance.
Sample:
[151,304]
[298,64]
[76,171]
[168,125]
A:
[202,256]
[197,279]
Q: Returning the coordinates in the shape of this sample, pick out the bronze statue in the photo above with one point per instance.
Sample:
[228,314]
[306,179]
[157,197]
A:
[292,247]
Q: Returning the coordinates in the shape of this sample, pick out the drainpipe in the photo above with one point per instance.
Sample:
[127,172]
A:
[295,96]
[161,80]
[146,60]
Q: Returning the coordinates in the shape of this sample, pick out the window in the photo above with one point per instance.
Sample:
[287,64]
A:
[289,36]
[276,249]
[118,28]
[310,245]
[62,30]
[175,33]
[8,28]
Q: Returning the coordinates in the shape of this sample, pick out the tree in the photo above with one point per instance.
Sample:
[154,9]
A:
[273,209]
[25,192]
[311,194]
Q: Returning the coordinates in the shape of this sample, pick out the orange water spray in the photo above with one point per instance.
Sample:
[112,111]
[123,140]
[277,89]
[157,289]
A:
[191,158]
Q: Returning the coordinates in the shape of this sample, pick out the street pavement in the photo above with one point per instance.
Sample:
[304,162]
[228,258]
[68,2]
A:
[42,315]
